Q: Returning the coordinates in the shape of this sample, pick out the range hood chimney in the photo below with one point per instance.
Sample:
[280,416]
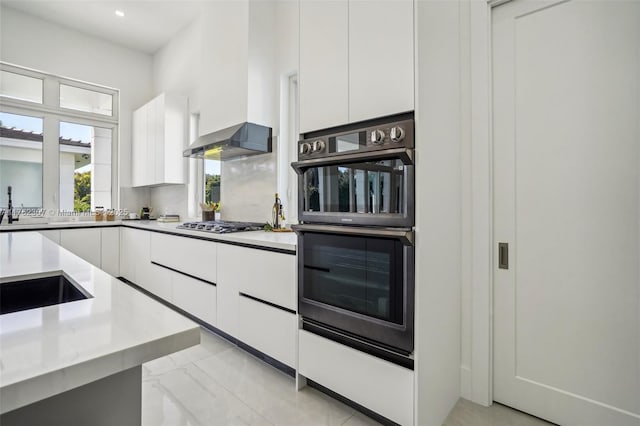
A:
[241,140]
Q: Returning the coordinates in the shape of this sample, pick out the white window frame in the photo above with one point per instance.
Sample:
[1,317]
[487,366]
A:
[52,114]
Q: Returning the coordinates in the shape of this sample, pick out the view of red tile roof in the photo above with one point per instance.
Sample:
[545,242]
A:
[13,133]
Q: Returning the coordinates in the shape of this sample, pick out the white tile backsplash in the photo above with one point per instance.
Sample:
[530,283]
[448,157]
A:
[169,199]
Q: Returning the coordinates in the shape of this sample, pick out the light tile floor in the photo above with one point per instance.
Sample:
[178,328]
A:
[215,383]
[466,413]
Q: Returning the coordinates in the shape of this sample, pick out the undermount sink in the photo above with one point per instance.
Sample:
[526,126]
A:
[18,294]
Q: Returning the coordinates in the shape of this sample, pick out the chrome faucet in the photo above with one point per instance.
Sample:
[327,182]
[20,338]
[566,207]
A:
[10,208]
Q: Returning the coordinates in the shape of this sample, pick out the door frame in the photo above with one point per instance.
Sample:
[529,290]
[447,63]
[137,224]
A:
[480,388]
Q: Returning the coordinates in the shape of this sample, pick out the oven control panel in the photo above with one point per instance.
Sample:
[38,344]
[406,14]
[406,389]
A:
[359,138]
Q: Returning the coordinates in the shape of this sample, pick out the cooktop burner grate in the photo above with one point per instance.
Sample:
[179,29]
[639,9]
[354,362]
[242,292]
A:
[222,226]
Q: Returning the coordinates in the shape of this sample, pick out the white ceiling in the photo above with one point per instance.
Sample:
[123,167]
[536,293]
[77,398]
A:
[147,25]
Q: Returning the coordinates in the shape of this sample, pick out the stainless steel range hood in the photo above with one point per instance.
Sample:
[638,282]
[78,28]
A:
[236,141]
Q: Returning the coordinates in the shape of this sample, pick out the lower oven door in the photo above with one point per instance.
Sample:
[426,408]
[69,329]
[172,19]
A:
[358,281]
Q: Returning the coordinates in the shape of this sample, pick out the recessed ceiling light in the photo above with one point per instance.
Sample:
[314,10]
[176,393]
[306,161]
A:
[119,13]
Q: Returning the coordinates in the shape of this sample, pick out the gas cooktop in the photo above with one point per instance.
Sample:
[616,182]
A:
[222,226]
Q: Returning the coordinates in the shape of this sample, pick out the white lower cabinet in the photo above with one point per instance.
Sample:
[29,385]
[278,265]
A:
[269,277]
[270,330]
[195,297]
[83,242]
[189,255]
[110,250]
[52,234]
[98,246]
[374,383]
[228,289]
[135,264]
[159,282]
[207,280]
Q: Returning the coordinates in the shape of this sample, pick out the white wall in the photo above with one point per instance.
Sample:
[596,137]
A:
[256,46]
[32,42]
[439,139]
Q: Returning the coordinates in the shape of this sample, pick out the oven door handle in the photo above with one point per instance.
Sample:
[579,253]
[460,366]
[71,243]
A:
[403,154]
[405,236]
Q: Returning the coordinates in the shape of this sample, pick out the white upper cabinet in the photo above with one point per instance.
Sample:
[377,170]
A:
[356,61]
[380,58]
[324,64]
[139,147]
[159,138]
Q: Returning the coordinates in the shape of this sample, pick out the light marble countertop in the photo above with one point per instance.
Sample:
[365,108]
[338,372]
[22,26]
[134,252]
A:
[277,240]
[47,351]
[28,226]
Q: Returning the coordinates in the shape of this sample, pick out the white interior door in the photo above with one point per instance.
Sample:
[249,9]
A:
[566,78]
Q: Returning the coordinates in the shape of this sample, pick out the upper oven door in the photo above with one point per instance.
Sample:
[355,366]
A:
[372,189]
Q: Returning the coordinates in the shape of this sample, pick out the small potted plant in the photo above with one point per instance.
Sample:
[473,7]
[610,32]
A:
[210,211]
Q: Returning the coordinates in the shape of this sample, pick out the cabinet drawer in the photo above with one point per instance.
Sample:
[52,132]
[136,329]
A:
[266,275]
[158,281]
[378,385]
[194,296]
[188,255]
[269,330]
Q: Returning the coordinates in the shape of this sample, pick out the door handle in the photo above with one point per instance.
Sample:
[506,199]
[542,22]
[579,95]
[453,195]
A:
[503,255]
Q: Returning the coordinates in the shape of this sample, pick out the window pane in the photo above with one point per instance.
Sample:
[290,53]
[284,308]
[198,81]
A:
[212,181]
[85,100]
[21,87]
[85,167]
[21,160]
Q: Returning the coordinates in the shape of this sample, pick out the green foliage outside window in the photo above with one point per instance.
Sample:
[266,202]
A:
[212,188]
[82,192]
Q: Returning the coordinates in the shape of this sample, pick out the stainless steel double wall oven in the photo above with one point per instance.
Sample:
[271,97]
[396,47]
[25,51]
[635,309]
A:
[355,240]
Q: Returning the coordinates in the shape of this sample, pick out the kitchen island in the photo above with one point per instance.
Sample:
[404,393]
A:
[78,362]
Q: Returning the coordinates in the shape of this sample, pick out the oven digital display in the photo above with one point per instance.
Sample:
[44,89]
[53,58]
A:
[347,143]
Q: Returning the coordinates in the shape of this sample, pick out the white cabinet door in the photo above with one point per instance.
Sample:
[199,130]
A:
[135,264]
[324,64]
[155,139]
[272,276]
[246,273]
[380,58]
[194,296]
[159,137]
[110,250]
[158,282]
[52,234]
[85,243]
[176,136]
[187,255]
[139,163]
[227,289]
[127,259]
[566,149]
[142,263]
[269,330]
[372,382]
